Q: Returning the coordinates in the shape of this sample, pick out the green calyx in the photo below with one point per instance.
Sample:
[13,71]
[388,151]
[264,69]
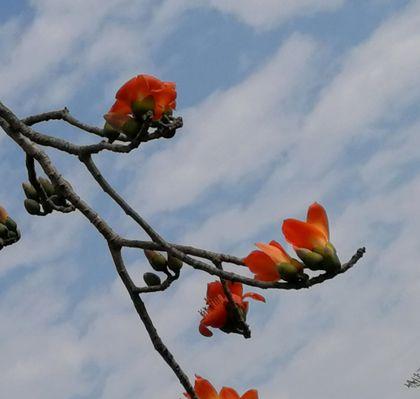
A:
[131,128]
[332,262]
[110,132]
[313,260]
[140,107]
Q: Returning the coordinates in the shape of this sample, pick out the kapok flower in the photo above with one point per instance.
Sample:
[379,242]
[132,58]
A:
[217,314]
[139,95]
[205,390]
[272,263]
[311,239]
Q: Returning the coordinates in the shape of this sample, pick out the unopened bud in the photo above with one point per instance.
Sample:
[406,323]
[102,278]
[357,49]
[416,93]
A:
[47,186]
[151,279]
[30,191]
[311,259]
[4,231]
[11,224]
[174,263]
[140,107]
[156,260]
[33,207]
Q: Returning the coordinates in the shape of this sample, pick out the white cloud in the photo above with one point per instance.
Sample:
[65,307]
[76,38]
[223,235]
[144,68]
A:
[267,14]
[353,337]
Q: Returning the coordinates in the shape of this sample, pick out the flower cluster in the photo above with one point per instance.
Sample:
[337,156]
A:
[205,390]
[137,97]
[310,241]
[218,312]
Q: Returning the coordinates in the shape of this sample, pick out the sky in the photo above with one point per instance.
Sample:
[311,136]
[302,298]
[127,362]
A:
[284,103]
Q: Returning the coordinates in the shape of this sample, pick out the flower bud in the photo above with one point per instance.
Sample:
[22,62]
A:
[11,224]
[131,128]
[30,191]
[140,107]
[47,186]
[174,263]
[151,279]
[1,244]
[33,207]
[311,259]
[4,232]
[156,260]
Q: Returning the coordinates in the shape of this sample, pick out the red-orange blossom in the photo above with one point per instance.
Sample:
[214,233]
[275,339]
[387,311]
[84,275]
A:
[205,390]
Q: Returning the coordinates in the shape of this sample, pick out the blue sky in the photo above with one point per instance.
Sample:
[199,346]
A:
[284,103]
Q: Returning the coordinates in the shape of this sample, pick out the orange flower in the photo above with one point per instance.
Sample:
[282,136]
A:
[311,240]
[264,264]
[216,314]
[141,93]
[314,233]
[205,390]
[3,215]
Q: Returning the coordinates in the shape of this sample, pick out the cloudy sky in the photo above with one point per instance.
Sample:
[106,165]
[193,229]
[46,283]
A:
[285,102]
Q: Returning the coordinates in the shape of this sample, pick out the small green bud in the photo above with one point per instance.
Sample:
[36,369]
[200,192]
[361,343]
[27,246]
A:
[140,107]
[30,191]
[151,279]
[131,128]
[174,263]
[47,186]
[311,259]
[4,232]
[11,224]
[156,260]
[33,207]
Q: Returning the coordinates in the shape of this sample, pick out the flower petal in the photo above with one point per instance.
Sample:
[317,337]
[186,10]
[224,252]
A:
[204,389]
[120,107]
[215,315]
[277,255]
[255,296]
[228,393]
[236,288]
[116,120]
[303,235]
[262,266]
[318,217]
[214,290]
[280,247]
[204,330]
[251,394]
